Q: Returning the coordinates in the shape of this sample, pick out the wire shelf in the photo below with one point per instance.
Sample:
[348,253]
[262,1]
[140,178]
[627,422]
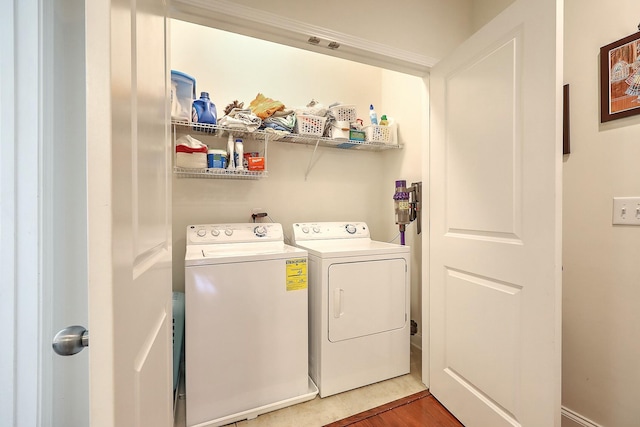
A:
[218,173]
[292,138]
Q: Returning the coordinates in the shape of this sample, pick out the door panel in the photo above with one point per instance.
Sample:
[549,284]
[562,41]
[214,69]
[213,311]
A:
[481,138]
[482,313]
[149,198]
[495,222]
[128,154]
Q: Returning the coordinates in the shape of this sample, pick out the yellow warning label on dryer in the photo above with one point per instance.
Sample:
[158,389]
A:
[296,274]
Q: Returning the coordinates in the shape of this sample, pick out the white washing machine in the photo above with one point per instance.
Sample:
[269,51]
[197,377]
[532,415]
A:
[359,323]
[246,323]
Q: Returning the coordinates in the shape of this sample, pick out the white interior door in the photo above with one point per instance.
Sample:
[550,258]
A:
[129,221]
[495,221]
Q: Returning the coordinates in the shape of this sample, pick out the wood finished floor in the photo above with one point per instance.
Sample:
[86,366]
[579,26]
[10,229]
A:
[418,410]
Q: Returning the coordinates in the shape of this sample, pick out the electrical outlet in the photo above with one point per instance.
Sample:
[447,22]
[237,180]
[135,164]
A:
[626,210]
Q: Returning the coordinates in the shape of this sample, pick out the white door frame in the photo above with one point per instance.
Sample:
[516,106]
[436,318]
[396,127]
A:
[21,117]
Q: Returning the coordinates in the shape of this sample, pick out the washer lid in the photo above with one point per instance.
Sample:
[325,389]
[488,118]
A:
[351,247]
[240,252]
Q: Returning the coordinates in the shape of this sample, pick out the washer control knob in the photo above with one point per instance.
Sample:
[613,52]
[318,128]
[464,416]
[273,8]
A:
[351,229]
[201,233]
[228,232]
[316,229]
[260,231]
[215,232]
[305,229]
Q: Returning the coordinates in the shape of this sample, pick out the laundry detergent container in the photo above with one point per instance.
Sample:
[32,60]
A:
[183,92]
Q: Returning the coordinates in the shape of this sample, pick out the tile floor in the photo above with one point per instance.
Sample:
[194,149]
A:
[318,412]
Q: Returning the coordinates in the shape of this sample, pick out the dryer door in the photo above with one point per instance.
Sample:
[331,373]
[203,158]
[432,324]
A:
[366,298]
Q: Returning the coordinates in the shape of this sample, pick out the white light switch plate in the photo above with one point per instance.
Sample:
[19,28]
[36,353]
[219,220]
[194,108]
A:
[626,210]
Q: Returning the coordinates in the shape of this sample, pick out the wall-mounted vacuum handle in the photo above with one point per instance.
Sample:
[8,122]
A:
[416,204]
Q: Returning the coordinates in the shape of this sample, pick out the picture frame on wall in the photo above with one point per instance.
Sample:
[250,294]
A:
[620,78]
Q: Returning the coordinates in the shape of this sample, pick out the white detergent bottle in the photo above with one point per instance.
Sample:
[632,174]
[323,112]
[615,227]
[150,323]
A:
[232,162]
[372,115]
[239,154]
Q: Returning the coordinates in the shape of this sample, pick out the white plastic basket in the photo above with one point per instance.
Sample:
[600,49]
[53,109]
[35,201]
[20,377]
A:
[344,113]
[310,125]
[380,134]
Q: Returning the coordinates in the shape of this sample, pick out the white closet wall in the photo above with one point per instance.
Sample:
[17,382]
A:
[351,185]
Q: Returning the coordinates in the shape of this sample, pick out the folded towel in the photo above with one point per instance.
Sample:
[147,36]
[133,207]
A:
[283,113]
[286,123]
[188,144]
[190,153]
[264,107]
[241,119]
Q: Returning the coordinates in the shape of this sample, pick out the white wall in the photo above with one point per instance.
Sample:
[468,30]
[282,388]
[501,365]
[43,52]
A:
[427,27]
[484,11]
[352,185]
[404,93]
[601,320]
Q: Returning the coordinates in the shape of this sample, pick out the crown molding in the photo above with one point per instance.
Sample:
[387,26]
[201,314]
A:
[232,17]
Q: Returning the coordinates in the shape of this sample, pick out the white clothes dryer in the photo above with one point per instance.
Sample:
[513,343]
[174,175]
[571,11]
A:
[246,316]
[359,323]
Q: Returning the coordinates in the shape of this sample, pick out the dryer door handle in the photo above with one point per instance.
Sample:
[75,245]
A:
[337,302]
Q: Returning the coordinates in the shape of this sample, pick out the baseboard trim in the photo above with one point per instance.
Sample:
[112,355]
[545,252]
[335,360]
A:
[577,418]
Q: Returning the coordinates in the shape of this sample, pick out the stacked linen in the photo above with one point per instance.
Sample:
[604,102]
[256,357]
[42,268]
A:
[242,119]
[284,120]
[190,153]
[276,118]
[264,107]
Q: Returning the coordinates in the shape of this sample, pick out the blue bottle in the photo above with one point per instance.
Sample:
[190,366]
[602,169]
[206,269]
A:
[204,111]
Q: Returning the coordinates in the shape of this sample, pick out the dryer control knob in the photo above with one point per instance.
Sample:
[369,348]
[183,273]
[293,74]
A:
[260,231]
[305,229]
[351,229]
[316,229]
[201,233]
[215,232]
[228,232]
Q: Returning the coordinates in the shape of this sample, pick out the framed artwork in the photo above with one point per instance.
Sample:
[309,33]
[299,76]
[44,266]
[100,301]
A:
[620,78]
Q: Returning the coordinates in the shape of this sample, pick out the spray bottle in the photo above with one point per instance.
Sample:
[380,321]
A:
[239,155]
[231,151]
